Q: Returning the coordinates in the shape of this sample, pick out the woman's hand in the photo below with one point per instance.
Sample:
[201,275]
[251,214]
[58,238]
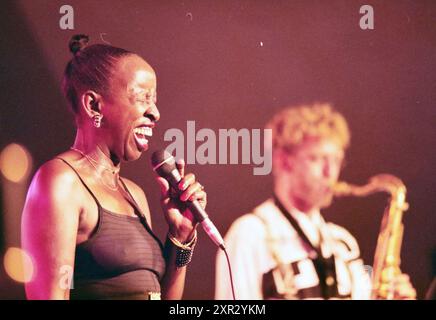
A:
[180,220]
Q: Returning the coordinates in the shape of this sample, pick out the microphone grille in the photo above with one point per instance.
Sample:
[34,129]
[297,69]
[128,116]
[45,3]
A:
[159,156]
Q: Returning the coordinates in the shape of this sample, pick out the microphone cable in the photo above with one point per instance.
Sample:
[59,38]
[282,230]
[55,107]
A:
[230,272]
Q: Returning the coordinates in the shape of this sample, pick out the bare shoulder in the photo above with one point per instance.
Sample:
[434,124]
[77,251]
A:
[55,175]
[54,183]
[139,196]
[50,221]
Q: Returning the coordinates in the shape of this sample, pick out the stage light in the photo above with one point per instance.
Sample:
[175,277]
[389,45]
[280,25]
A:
[18,265]
[15,162]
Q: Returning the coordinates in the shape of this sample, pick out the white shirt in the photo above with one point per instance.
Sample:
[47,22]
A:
[264,244]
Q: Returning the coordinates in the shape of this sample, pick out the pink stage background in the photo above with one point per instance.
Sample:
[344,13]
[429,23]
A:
[232,64]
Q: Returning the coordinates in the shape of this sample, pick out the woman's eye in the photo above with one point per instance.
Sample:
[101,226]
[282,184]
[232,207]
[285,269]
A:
[147,98]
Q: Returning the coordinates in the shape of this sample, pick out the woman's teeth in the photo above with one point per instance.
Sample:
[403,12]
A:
[140,134]
[144,131]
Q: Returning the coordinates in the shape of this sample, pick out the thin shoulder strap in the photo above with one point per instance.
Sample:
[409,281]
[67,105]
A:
[134,204]
[132,199]
[81,180]
[140,214]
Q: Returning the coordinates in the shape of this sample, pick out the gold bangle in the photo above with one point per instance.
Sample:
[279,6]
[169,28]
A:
[184,246]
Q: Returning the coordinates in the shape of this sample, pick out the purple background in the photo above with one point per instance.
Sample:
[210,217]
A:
[212,69]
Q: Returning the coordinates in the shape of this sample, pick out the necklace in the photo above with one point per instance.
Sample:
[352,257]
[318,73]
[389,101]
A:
[91,159]
[95,163]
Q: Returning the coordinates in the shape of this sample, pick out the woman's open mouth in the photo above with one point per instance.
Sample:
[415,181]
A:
[140,134]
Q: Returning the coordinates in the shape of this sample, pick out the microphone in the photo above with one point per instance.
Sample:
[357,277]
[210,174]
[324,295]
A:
[164,165]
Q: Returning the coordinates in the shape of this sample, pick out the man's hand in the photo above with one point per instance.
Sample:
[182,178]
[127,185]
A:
[403,288]
[399,288]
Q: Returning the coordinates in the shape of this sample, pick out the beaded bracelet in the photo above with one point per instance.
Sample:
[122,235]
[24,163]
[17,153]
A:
[185,246]
[184,251]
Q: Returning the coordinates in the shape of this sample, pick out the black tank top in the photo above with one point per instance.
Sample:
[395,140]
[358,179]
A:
[122,259]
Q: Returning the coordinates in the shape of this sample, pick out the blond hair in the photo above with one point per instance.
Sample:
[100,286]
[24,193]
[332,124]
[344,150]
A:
[292,125]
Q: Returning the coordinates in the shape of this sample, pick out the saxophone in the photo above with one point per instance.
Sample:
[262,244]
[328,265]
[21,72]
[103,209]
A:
[387,255]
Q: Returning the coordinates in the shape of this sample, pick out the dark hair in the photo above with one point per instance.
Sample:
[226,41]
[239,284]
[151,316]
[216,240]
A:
[90,68]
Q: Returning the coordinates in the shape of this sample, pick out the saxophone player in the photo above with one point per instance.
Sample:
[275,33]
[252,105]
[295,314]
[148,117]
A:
[284,249]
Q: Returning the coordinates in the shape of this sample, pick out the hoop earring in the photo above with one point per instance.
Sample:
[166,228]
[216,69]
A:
[97,120]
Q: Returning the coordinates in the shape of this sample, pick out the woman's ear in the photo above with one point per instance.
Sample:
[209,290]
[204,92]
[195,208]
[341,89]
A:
[91,103]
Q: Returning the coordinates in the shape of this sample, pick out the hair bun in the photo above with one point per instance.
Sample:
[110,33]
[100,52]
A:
[78,42]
